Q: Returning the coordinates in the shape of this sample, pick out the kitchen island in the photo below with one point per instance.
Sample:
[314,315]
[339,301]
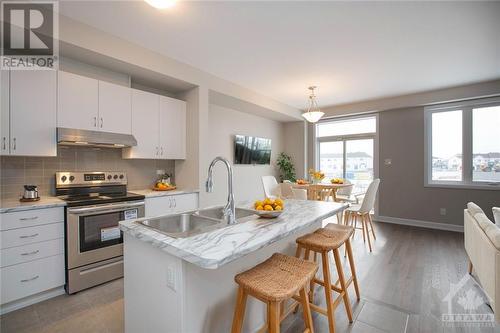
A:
[187,284]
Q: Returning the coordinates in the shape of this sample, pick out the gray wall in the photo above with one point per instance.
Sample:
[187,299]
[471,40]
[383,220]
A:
[295,145]
[223,124]
[402,192]
[15,171]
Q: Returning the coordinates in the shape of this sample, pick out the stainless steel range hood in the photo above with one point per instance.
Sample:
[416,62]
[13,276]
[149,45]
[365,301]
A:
[78,137]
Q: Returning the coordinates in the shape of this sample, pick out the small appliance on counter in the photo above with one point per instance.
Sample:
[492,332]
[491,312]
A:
[30,193]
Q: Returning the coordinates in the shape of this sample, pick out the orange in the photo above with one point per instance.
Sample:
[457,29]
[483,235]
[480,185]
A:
[278,208]
[259,207]
[278,202]
[258,203]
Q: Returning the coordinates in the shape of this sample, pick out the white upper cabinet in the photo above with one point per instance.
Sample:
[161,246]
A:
[4,113]
[172,128]
[77,101]
[33,112]
[114,108]
[145,125]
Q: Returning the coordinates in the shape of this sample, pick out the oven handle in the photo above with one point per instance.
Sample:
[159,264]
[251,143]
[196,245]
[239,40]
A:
[106,208]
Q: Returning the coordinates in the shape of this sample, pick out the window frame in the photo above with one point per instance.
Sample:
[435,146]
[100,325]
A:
[345,137]
[466,107]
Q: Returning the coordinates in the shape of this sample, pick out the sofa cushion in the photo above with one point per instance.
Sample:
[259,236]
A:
[483,221]
[474,209]
[496,215]
[491,229]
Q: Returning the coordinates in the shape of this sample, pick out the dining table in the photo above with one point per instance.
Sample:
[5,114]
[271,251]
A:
[321,191]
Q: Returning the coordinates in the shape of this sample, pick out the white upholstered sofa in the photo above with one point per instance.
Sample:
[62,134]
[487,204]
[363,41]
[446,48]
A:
[482,243]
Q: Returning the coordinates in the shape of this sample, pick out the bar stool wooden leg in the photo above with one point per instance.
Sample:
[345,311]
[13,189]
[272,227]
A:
[239,311]
[307,310]
[353,269]
[365,221]
[343,286]
[328,291]
[273,315]
[311,283]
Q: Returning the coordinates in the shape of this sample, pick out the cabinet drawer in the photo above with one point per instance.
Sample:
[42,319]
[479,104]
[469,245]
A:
[29,218]
[30,278]
[23,236]
[20,254]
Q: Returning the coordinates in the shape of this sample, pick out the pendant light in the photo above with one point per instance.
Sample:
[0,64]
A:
[313,114]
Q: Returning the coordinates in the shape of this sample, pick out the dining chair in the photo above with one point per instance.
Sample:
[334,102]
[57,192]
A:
[319,192]
[344,193]
[271,187]
[362,212]
[299,193]
[286,190]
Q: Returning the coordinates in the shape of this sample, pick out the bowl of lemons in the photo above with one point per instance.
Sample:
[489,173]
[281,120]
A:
[269,208]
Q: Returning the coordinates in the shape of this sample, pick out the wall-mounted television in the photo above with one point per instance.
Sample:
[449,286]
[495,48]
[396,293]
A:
[251,150]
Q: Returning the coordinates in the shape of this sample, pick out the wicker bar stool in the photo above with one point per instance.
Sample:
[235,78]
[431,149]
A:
[274,281]
[322,241]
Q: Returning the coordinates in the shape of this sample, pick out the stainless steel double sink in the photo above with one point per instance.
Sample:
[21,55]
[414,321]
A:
[196,222]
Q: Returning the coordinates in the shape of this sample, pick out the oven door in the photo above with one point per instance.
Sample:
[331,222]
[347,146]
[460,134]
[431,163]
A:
[93,232]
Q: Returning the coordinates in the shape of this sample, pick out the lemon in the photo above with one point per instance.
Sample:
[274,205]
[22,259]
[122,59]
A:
[277,207]
[268,207]
[278,202]
[258,203]
[259,207]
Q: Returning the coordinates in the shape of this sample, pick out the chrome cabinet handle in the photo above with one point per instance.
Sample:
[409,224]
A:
[28,236]
[30,279]
[4,146]
[157,149]
[102,122]
[95,121]
[30,253]
[28,218]
[161,151]
[175,203]
[14,144]
[169,203]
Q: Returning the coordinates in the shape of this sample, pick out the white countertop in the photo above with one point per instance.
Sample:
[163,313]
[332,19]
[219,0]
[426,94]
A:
[216,248]
[14,205]
[148,193]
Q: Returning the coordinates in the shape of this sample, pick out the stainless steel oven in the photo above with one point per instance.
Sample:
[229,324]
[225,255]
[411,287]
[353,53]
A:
[95,249]
[96,202]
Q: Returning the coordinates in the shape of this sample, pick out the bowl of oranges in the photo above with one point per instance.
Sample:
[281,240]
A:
[269,208]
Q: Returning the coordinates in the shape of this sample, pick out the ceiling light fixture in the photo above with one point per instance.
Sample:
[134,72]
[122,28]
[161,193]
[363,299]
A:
[161,4]
[313,114]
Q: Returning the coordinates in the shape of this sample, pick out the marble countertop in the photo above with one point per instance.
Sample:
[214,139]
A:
[14,205]
[216,248]
[148,193]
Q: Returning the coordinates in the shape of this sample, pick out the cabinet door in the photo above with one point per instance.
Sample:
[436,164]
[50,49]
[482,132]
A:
[115,112]
[158,206]
[185,202]
[145,126]
[77,102]
[172,128]
[4,113]
[33,112]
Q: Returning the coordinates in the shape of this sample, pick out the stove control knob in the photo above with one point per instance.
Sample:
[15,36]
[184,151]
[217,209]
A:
[115,177]
[121,176]
[63,178]
[109,176]
[71,178]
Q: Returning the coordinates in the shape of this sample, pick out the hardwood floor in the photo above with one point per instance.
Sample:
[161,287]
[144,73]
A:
[403,284]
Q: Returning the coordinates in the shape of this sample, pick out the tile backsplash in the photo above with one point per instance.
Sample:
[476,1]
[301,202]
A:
[16,171]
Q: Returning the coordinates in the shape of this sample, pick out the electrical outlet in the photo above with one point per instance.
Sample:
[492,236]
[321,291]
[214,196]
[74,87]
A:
[442,211]
[171,278]
[388,161]
[160,172]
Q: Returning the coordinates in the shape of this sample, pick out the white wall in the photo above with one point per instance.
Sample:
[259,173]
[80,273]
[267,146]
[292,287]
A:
[223,124]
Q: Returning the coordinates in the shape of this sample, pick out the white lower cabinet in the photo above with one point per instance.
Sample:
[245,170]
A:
[31,255]
[169,204]
[22,280]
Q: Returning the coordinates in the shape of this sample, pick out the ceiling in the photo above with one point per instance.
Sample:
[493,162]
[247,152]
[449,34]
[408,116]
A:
[353,51]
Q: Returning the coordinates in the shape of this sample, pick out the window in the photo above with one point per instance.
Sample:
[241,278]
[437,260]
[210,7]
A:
[345,149]
[463,144]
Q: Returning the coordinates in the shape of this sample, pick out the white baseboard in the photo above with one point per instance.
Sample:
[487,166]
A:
[16,305]
[419,223]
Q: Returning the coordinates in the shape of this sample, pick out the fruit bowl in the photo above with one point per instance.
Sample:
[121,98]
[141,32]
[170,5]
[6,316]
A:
[268,208]
[169,188]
